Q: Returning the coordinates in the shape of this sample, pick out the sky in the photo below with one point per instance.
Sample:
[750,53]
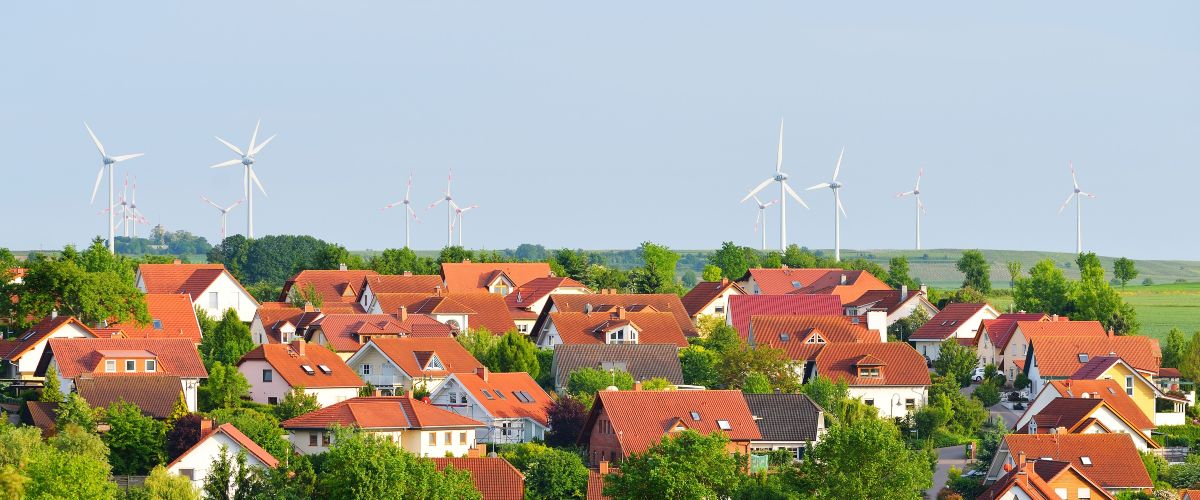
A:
[602,125]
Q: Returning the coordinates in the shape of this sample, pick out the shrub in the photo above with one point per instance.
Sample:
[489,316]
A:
[987,393]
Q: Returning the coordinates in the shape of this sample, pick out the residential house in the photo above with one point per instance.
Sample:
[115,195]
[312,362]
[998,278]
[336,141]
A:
[1108,390]
[607,300]
[197,461]
[959,321]
[994,336]
[710,298]
[494,477]
[616,326]
[375,284]
[1012,353]
[526,302]
[1110,460]
[393,365]
[496,277]
[417,427]
[803,336]
[790,422]
[73,358]
[273,370]
[277,323]
[21,355]
[1058,358]
[333,286]
[1163,408]
[511,406]
[1084,415]
[1189,494]
[744,307]
[172,315]
[345,334]
[641,361]
[895,304]
[210,287]
[1043,479]
[156,395]
[390,303]
[468,312]
[847,285]
[625,422]
[890,376]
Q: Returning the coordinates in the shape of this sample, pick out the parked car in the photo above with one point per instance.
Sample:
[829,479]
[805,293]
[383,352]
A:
[978,375]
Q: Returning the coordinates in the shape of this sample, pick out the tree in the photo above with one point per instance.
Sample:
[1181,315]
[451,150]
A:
[527,252]
[261,427]
[589,381]
[76,441]
[224,388]
[987,393]
[799,258]
[1095,299]
[574,263]
[135,441]
[308,295]
[1174,348]
[898,273]
[1046,290]
[1189,366]
[93,286]
[657,384]
[1124,270]
[162,485]
[711,273]
[549,473]
[362,465]
[756,383]
[481,344]
[865,459]
[56,474]
[690,279]
[515,353]
[731,259]
[179,411]
[183,433]
[295,403]
[399,261]
[1014,272]
[956,361]
[51,391]
[224,476]
[976,271]
[566,416]
[906,326]
[699,366]
[657,275]
[76,411]
[735,364]
[1021,381]
[685,465]
[228,341]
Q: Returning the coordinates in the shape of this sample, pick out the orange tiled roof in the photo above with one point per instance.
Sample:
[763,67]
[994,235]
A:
[792,333]
[701,295]
[508,384]
[236,435]
[390,303]
[494,477]
[1059,357]
[641,418]
[78,356]
[661,302]
[1001,329]
[289,359]
[485,310]
[474,276]
[902,365]
[332,285]
[589,328]
[1033,479]
[943,324]
[178,278]
[1033,329]
[172,316]
[1112,394]
[816,281]
[1115,462]
[411,353]
[348,332]
[521,299]
[12,349]
[381,412]
[744,307]
[404,283]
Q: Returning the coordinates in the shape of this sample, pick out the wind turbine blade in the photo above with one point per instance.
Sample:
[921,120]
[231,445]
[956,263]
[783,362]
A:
[99,146]
[769,203]
[236,203]
[906,193]
[818,186]
[841,208]
[920,173]
[838,167]
[793,194]
[779,152]
[99,177]
[390,205]
[436,203]
[413,213]
[408,189]
[117,159]
[758,219]
[1065,203]
[1073,179]
[254,136]
[757,189]
[210,202]
[1089,195]
[229,163]
[254,177]
[263,145]
[921,205]
[230,146]
[756,200]
[454,206]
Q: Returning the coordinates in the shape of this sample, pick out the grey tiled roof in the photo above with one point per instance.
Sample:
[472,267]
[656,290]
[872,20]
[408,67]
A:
[156,395]
[642,361]
[785,417]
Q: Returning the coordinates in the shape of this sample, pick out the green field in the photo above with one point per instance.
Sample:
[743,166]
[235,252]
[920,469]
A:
[1163,307]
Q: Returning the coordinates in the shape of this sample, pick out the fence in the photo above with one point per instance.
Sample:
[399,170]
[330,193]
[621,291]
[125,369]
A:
[126,482]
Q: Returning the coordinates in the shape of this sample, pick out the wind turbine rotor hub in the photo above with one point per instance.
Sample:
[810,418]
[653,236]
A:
[246,160]
[835,185]
[108,160]
[780,177]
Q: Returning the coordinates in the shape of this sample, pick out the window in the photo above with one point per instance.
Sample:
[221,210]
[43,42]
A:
[696,416]
[1129,385]
[312,438]
[1085,460]
[188,473]
[869,402]
[910,404]
[785,337]
[1083,357]
[434,363]
[272,400]
[110,365]
[815,339]
[365,369]
[268,375]
[325,369]
[448,440]
[1083,493]
[130,365]
[157,324]
[723,425]
[869,371]
[501,394]
[432,439]
[487,394]
[307,369]
[1061,492]
[151,365]
[719,309]
[213,303]
[462,438]
[523,328]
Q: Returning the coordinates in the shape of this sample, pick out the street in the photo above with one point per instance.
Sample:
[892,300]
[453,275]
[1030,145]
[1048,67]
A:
[955,456]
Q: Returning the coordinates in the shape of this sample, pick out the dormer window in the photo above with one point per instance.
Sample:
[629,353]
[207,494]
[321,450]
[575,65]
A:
[434,364]
[868,371]
[151,365]
[130,365]
[110,366]
[1083,357]
[815,339]
[623,335]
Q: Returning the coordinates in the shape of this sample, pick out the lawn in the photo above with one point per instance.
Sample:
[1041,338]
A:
[1163,307]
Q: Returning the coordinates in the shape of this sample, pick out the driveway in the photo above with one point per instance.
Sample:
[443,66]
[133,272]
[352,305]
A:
[952,456]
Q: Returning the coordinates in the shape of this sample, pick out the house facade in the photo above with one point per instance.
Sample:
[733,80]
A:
[118,357]
[960,321]
[196,463]
[20,356]
[210,287]
[274,370]
[890,376]
[511,406]
[710,298]
[396,365]
[417,427]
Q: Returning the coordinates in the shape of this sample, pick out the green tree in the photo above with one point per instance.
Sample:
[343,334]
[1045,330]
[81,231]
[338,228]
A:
[898,273]
[987,393]
[1046,290]
[657,275]
[657,384]
[690,279]
[162,485]
[92,286]
[574,263]
[956,361]
[307,295]
[799,258]
[865,459]
[686,465]
[1095,299]
[734,365]
[135,441]
[261,427]
[399,261]
[55,474]
[515,353]
[1014,272]
[756,383]
[1124,270]
[228,341]
[361,465]
[224,388]
[76,411]
[481,344]
[904,327]
[225,475]
[711,273]
[731,259]
[976,271]
[549,473]
[566,416]
[75,441]
[699,366]
[51,391]
[179,411]
[1174,348]
[295,403]
[588,381]
[1189,366]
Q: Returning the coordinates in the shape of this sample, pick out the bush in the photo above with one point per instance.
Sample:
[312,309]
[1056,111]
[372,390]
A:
[1022,381]
[1015,397]
[987,393]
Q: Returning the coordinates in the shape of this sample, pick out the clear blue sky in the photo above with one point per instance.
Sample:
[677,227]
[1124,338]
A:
[603,125]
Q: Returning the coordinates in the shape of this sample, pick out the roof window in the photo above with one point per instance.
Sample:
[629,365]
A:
[523,396]
[785,337]
[157,324]
[1086,460]
[487,394]
[27,335]
[696,416]
[500,394]
[307,369]
[1083,357]
[796,284]
[723,424]
[325,369]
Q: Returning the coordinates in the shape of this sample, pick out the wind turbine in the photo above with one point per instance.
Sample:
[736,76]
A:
[109,162]
[762,218]
[450,206]
[224,213]
[836,187]
[916,193]
[410,214]
[1078,194]
[135,215]
[247,159]
[459,213]
[784,191]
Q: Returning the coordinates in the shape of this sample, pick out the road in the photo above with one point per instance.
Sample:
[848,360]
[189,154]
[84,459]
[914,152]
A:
[955,456]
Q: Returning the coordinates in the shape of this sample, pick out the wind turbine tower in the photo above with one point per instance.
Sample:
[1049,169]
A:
[760,222]
[836,187]
[784,191]
[458,212]
[916,193]
[409,214]
[450,206]
[247,159]
[109,162]
[1078,194]
[224,213]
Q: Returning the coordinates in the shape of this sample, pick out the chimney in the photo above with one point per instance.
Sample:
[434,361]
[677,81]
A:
[482,372]
[925,289]
[1054,317]
[520,296]
[403,314]
[439,290]
[298,346]
[342,266]
[724,282]
[603,467]
[54,314]
[479,451]
[308,307]
[637,386]
[620,312]
[466,261]
[377,393]
[408,393]
[843,280]
[903,293]
[783,266]
[408,273]
[178,262]
[206,426]
[1021,461]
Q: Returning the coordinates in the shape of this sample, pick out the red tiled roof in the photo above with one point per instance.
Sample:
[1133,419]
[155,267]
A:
[1115,462]
[78,356]
[405,352]
[1032,329]
[404,283]
[156,395]
[474,276]
[701,295]
[816,281]
[390,303]
[507,384]
[1059,356]
[494,477]
[1024,478]
[381,412]
[420,325]
[521,299]
[661,302]
[595,486]
[174,313]
[1064,412]
[288,361]
[792,333]
[1112,394]
[1001,329]
[274,317]
[743,307]
[641,418]
[902,365]
[348,332]
[332,285]
[178,278]
[484,310]
[943,324]
[12,349]
[589,328]
[236,435]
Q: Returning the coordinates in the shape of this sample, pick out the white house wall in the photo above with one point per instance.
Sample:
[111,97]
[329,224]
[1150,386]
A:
[201,458]
[229,295]
[885,398]
[28,362]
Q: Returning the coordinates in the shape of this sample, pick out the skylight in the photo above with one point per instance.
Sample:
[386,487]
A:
[325,369]
[307,369]
[525,397]
[785,337]
[1086,460]
[696,416]
[500,394]
[1083,357]
[157,324]
[487,394]
[796,284]
[723,424]
[27,335]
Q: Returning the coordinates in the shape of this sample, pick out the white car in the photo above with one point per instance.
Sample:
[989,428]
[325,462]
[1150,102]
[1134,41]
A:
[978,375]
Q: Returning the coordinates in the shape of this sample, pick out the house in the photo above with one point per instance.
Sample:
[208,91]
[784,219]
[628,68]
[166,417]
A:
[1013,352]
[73,358]
[803,336]
[615,326]
[786,421]
[273,370]
[625,422]
[1034,478]
[1084,415]
[172,315]
[275,323]
[525,303]
[895,304]
[417,427]
[393,365]
[744,307]
[1058,358]
[375,284]
[959,321]
[1107,390]
[1164,408]
[641,361]
[994,335]
[210,287]
[497,277]
[511,406]
[710,298]
[846,285]
[494,477]
[468,312]
[1189,494]
[21,355]
[156,395]
[390,303]
[333,286]
[890,376]
[607,301]
[345,334]
[1110,460]
[196,462]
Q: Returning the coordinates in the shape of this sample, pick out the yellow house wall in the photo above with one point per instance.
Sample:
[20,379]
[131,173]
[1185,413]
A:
[1143,394]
